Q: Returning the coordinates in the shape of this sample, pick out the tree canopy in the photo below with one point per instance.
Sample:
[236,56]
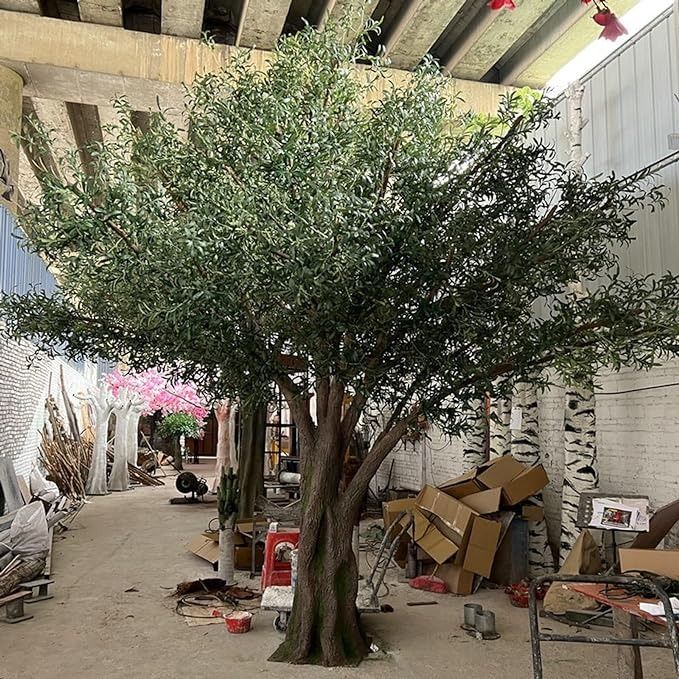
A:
[399,244]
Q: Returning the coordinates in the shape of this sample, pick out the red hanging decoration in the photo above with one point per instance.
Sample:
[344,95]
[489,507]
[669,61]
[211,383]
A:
[613,29]
[585,2]
[502,4]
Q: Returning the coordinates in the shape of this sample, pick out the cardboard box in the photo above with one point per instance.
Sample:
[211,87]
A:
[458,580]
[485,502]
[463,485]
[526,484]
[452,517]
[532,513]
[474,537]
[432,540]
[499,471]
[390,512]
[242,556]
[659,561]
[482,545]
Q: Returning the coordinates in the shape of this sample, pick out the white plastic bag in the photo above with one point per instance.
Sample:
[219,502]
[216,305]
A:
[41,487]
[29,534]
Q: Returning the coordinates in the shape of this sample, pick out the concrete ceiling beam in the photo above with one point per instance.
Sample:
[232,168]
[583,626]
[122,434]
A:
[106,12]
[40,158]
[182,18]
[261,22]
[561,39]
[86,129]
[499,37]
[30,6]
[478,25]
[360,13]
[427,22]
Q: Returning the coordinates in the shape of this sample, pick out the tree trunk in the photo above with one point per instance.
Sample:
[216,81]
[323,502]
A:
[526,449]
[580,455]
[120,475]
[251,463]
[324,627]
[226,563]
[475,451]
[176,449]
[580,461]
[500,434]
[133,436]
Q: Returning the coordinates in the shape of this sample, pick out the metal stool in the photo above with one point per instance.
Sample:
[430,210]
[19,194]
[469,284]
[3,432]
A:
[14,607]
[38,590]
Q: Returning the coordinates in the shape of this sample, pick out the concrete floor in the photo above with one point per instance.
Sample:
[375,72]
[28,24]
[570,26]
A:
[93,629]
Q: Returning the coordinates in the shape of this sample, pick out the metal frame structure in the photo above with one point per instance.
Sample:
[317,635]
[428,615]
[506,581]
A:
[671,640]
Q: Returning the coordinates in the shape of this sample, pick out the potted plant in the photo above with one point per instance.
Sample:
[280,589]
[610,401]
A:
[175,425]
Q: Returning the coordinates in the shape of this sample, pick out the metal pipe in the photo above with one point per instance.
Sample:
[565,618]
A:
[470,611]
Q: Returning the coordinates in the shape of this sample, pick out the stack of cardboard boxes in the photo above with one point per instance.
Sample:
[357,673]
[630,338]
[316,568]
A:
[458,527]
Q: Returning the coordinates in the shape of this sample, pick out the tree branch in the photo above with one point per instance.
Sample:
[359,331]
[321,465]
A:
[384,444]
[299,407]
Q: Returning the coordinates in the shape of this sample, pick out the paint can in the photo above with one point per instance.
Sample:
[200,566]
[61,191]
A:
[238,622]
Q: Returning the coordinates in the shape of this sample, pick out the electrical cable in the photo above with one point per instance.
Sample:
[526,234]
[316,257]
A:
[630,391]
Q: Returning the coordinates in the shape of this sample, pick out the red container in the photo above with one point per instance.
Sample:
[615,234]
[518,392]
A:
[238,622]
[277,569]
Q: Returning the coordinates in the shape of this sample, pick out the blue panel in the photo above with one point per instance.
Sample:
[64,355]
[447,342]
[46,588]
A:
[20,271]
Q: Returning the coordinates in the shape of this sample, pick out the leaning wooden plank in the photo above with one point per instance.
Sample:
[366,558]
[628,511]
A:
[48,559]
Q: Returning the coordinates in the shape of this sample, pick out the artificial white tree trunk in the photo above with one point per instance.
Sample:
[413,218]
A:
[101,401]
[580,454]
[226,567]
[475,451]
[525,447]
[120,476]
[500,434]
[136,410]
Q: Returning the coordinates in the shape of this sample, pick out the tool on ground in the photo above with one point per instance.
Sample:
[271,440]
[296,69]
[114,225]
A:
[188,482]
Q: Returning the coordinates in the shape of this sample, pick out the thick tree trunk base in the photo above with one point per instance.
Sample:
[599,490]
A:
[324,627]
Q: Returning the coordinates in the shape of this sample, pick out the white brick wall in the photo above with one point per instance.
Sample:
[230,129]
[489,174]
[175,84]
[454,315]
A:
[23,390]
[637,440]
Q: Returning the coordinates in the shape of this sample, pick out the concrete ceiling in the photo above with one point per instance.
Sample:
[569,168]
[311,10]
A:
[71,72]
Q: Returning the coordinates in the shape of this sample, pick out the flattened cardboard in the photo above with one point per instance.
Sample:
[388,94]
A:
[205,548]
[485,502]
[482,545]
[659,561]
[521,487]
[499,472]
[431,540]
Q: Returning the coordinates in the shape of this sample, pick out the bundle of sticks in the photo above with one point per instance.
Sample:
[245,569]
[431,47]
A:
[66,460]
[137,474]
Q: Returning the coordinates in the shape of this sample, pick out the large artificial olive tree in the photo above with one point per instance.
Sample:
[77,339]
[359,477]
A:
[413,255]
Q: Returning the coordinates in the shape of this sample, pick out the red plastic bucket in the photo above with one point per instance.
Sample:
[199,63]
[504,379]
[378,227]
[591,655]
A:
[238,622]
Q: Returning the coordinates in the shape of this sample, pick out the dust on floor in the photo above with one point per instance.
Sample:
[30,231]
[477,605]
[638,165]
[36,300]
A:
[94,629]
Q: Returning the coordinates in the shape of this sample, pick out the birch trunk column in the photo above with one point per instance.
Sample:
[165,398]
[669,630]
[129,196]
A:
[499,432]
[580,454]
[475,451]
[525,447]
[101,401]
